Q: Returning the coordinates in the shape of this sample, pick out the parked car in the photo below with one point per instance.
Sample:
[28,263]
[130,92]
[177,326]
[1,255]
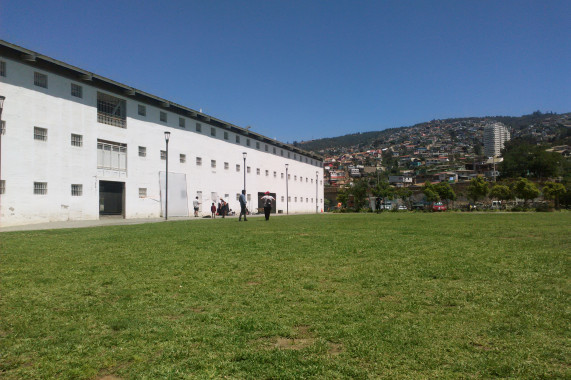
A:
[438,206]
[403,208]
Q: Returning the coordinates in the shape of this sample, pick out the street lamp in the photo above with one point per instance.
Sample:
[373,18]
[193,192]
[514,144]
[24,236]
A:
[2,98]
[167,138]
[316,204]
[287,194]
[244,154]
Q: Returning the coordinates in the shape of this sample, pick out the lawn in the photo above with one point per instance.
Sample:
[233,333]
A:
[395,295]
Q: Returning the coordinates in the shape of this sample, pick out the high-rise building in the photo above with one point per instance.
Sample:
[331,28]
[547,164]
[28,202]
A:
[495,137]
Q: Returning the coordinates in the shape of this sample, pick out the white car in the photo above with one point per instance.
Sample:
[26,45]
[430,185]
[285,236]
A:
[403,208]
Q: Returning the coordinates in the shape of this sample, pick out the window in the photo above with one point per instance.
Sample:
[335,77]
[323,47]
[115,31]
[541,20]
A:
[226,166]
[295,199]
[312,180]
[248,170]
[181,122]
[142,151]
[111,156]
[306,200]
[301,199]
[267,173]
[40,80]
[274,149]
[295,178]
[40,134]
[40,188]
[237,168]
[227,196]
[111,110]
[2,127]
[237,196]
[163,116]
[76,190]
[2,186]
[248,142]
[212,132]
[306,179]
[289,176]
[198,127]
[2,69]
[249,197]
[142,110]
[266,148]
[76,90]
[182,158]
[163,155]
[257,145]
[238,139]
[282,175]
[213,163]
[142,192]
[289,199]
[282,152]
[295,156]
[282,198]
[198,161]
[288,154]
[76,140]
[257,171]
[225,135]
[275,174]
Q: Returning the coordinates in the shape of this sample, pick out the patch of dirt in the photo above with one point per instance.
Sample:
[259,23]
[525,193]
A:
[252,283]
[335,348]
[197,310]
[481,346]
[303,339]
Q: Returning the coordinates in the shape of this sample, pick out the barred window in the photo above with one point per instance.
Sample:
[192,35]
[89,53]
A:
[238,139]
[248,169]
[163,155]
[142,192]
[111,110]
[282,175]
[295,199]
[226,166]
[267,173]
[142,151]
[225,135]
[274,149]
[40,80]
[76,90]
[2,127]
[181,122]
[212,132]
[163,116]
[288,154]
[76,190]
[2,186]
[198,161]
[257,145]
[182,158]
[198,127]
[282,198]
[112,156]
[275,174]
[2,69]
[248,142]
[212,163]
[142,110]
[282,152]
[237,196]
[267,148]
[40,188]
[257,171]
[237,167]
[76,140]
[40,134]
[295,178]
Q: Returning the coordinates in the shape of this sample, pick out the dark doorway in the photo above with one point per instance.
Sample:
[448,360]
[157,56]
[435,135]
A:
[111,198]
[261,203]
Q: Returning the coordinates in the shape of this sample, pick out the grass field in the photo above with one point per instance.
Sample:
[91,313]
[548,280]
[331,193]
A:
[396,295]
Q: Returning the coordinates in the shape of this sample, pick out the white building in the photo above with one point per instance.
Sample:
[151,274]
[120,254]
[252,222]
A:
[495,137]
[79,146]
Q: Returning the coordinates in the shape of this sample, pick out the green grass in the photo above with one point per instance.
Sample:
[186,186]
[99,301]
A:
[396,295]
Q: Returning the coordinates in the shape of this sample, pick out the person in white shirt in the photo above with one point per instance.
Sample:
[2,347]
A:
[195,204]
[267,199]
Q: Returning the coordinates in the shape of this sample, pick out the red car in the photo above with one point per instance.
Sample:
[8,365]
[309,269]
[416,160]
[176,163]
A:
[438,206]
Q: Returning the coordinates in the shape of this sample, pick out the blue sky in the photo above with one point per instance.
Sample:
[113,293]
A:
[297,70]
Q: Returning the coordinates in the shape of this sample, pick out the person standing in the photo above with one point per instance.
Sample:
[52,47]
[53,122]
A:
[195,204]
[267,199]
[242,206]
[213,210]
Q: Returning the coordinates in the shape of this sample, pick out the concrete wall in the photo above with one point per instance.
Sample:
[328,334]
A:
[57,162]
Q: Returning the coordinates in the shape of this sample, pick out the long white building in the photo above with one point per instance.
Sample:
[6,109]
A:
[78,146]
[495,137]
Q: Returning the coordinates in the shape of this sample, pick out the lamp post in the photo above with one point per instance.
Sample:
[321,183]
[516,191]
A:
[167,138]
[287,194]
[2,98]
[316,203]
[244,154]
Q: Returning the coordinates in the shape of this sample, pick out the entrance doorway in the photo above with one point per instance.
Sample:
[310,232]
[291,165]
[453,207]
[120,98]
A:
[111,198]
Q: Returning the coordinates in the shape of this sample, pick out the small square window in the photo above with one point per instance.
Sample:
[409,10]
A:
[40,188]
[76,140]
[257,145]
[142,110]
[227,196]
[237,168]
[267,173]
[225,135]
[282,198]
[142,192]
[76,190]
[40,80]
[295,199]
[238,139]
[198,161]
[249,197]
[76,90]
[2,127]
[258,171]
[312,180]
[3,186]
[226,166]
[142,151]
[198,127]
[237,196]
[212,132]
[295,178]
[163,116]
[248,142]
[248,169]
[40,134]
[275,174]
[163,155]
[212,163]
[181,122]
[282,175]
[289,199]
[2,69]
[301,199]
[182,158]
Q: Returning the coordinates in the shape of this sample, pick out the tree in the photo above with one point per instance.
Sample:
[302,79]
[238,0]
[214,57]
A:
[526,190]
[445,191]
[477,189]
[342,197]
[359,192]
[553,191]
[522,158]
[383,190]
[403,193]
[501,192]
[430,193]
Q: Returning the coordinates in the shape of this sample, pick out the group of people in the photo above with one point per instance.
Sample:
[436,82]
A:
[222,210]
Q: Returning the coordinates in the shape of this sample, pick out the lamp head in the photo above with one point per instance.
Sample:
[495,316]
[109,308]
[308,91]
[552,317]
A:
[167,136]
[244,154]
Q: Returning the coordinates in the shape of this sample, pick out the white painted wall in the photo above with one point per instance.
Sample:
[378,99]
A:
[25,160]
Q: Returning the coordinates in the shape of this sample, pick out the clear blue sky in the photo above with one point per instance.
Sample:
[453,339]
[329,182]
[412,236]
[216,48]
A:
[297,70]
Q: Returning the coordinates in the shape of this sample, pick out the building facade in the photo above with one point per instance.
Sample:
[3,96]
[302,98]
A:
[78,146]
[495,137]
